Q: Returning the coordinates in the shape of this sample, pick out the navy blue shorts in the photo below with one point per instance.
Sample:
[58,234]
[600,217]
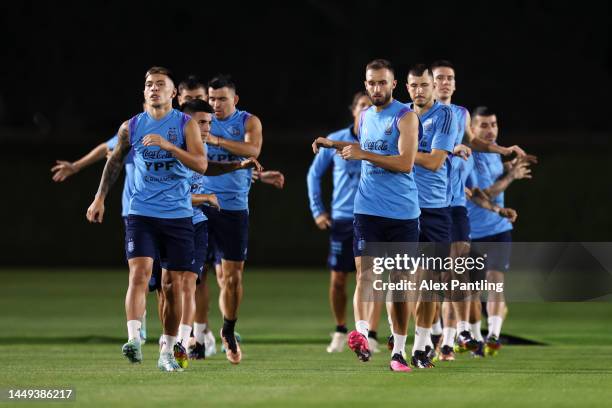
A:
[228,234]
[155,280]
[435,225]
[460,227]
[497,249]
[341,257]
[200,243]
[169,239]
[370,228]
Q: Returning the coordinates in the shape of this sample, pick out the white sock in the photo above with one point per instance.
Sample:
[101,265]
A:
[168,343]
[184,333]
[362,327]
[421,336]
[463,325]
[199,329]
[449,336]
[475,330]
[133,327]
[436,328]
[495,324]
[399,344]
[144,316]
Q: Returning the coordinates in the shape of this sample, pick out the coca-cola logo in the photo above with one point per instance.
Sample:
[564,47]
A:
[152,154]
[376,145]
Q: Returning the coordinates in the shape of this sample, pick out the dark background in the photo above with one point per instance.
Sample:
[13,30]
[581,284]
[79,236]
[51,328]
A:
[72,73]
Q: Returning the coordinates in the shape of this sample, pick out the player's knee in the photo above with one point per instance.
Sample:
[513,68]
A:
[139,277]
[338,281]
[232,280]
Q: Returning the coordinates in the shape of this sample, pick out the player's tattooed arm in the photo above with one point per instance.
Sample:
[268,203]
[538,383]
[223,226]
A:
[218,168]
[95,212]
[114,164]
[403,162]
[253,139]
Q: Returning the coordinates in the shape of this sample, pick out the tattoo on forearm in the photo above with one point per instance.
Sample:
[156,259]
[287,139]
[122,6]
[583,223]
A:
[113,166]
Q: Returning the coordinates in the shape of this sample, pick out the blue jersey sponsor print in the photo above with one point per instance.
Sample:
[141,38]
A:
[345,178]
[232,189]
[161,182]
[439,132]
[381,192]
[487,168]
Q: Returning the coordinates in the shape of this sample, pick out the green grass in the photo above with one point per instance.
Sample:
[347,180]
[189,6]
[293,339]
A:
[66,329]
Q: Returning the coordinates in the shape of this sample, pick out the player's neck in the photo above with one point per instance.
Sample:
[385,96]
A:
[383,107]
[228,115]
[446,101]
[421,110]
[158,112]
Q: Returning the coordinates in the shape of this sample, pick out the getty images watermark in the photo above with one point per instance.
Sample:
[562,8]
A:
[409,265]
[493,271]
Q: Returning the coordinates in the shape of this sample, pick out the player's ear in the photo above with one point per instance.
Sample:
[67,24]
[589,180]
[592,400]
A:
[394,83]
[236,98]
[173,93]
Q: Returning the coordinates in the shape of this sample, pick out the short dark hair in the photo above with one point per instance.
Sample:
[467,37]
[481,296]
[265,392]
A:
[222,81]
[482,111]
[380,63]
[420,70]
[190,83]
[159,70]
[356,98]
[442,64]
[196,105]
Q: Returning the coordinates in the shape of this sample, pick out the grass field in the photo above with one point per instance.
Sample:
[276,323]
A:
[66,328]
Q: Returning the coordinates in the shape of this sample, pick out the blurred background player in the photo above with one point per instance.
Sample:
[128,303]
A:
[341,259]
[160,212]
[235,134]
[191,88]
[491,230]
[432,176]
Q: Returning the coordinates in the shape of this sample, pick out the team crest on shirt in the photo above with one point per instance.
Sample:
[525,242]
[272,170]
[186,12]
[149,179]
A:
[172,136]
[427,125]
[389,128]
[233,130]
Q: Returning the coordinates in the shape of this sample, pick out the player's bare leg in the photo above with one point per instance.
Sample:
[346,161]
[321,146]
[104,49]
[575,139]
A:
[362,309]
[231,296]
[377,309]
[460,303]
[135,300]
[496,310]
[204,341]
[337,301]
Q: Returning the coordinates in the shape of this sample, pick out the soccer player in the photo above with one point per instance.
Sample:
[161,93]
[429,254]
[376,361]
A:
[386,202]
[201,112]
[166,146]
[432,168]
[444,79]
[341,260]
[234,134]
[493,177]
[191,88]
